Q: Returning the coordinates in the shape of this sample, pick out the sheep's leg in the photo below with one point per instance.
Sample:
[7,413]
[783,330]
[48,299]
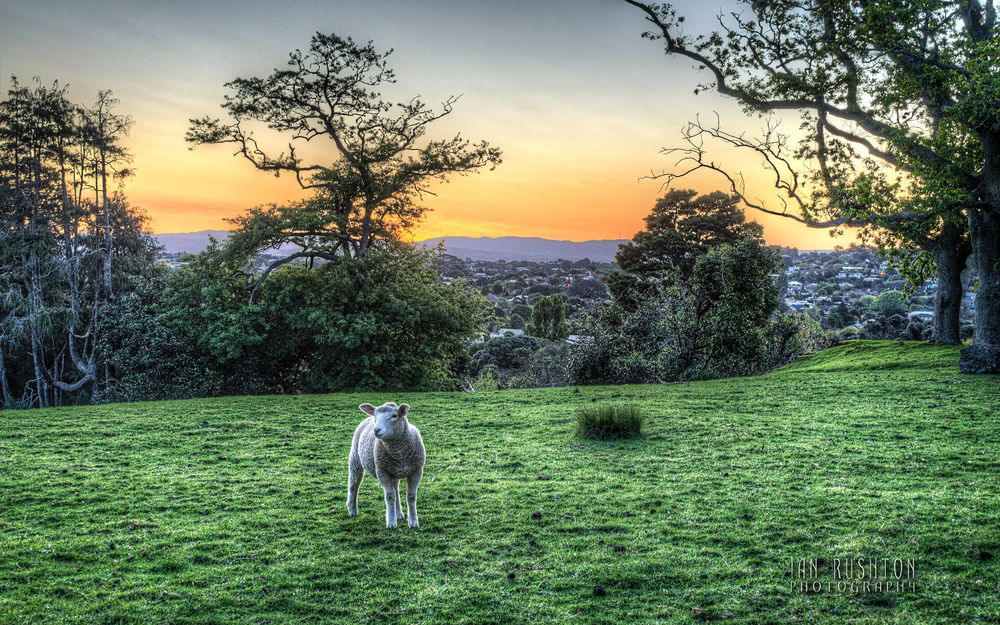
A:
[399,509]
[411,497]
[390,502]
[355,473]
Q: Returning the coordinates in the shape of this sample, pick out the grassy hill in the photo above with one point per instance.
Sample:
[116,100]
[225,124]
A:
[232,510]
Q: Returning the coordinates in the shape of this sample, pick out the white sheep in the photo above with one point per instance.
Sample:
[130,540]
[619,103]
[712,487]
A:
[388,447]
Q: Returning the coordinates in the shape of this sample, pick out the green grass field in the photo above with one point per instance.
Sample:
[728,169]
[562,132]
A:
[232,510]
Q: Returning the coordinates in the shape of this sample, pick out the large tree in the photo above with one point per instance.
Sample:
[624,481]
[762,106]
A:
[681,227]
[548,318]
[914,85]
[368,184]
[62,249]
[870,194]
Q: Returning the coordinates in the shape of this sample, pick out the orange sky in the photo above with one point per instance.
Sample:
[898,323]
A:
[579,103]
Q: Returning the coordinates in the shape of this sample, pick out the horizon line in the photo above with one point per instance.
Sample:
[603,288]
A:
[506,236]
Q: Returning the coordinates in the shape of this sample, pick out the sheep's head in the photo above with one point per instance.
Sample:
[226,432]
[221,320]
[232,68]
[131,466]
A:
[390,419]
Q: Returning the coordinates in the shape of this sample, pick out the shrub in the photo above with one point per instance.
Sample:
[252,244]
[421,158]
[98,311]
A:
[849,333]
[608,421]
[885,327]
[381,322]
[718,321]
[485,381]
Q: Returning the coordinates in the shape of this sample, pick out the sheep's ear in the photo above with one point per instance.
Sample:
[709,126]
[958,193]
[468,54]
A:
[403,409]
[367,409]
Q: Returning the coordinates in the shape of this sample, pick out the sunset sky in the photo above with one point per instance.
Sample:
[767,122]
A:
[579,103]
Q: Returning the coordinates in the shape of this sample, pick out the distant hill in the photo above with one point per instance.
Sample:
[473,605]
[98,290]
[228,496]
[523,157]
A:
[481,248]
[189,242]
[526,248]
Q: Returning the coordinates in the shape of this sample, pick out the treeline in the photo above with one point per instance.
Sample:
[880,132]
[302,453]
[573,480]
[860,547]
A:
[69,242]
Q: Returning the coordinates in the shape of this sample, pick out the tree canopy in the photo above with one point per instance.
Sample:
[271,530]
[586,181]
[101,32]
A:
[898,101]
[68,239]
[681,227]
[376,163]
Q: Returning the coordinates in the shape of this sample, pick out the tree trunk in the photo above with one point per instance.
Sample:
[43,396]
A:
[949,255]
[5,393]
[983,356]
[107,208]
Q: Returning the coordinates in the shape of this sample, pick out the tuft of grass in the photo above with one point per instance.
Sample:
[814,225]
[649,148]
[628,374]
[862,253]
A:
[608,421]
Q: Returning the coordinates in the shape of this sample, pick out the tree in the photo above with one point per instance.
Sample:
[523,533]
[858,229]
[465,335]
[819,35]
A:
[920,245]
[308,330]
[548,318]
[720,320]
[890,303]
[681,227]
[911,85]
[516,322]
[379,165]
[587,289]
[503,356]
[61,252]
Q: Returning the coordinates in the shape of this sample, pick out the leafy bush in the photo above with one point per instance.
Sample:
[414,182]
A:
[804,335]
[889,303]
[382,322]
[545,367]
[503,356]
[719,321]
[885,327]
[520,362]
[608,421]
[849,333]
[485,381]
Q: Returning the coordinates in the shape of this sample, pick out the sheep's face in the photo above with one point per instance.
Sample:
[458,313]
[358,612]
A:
[390,420]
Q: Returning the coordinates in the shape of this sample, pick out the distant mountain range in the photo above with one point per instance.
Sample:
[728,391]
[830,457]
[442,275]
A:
[475,248]
[526,248]
[189,242]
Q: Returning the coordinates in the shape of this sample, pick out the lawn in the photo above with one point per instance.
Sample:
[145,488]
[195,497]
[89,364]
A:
[232,510]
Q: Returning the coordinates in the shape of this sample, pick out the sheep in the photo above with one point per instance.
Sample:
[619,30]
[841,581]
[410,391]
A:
[387,446]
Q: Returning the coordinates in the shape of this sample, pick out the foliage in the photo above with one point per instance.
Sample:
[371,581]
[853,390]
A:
[502,356]
[155,357]
[379,165]
[548,318]
[681,227]
[545,367]
[842,315]
[720,321]
[608,421]
[896,326]
[890,303]
[382,322]
[227,511]
[520,362]
[588,289]
[806,335]
[516,322]
[485,382]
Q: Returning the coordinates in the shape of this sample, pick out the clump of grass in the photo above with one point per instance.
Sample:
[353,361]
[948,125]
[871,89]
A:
[608,421]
